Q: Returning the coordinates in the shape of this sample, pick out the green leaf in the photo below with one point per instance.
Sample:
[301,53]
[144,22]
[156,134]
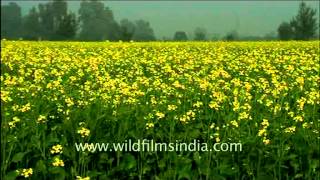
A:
[298,176]
[18,157]
[41,166]
[12,175]
[128,161]
[94,173]
[57,172]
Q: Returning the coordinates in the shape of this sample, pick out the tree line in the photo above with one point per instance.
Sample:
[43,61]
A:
[302,27]
[95,22]
[53,21]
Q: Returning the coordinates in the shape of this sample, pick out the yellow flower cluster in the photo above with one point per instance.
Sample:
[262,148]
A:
[190,115]
[25,107]
[160,115]
[56,149]
[149,125]
[263,131]
[41,119]
[172,107]
[291,129]
[57,162]
[25,172]
[12,123]
[83,178]
[84,132]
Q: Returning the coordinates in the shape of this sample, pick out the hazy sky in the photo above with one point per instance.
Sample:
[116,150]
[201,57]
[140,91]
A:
[217,17]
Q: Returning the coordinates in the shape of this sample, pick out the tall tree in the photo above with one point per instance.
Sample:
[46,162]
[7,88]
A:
[127,29]
[232,36]
[285,31]
[31,25]
[304,24]
[67,27]
[56,23]
[97,22]
[200,34]
[10,21]
[143,31]
[46,20]
[180,36]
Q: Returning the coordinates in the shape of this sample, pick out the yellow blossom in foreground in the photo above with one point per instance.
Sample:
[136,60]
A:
[41,119]
[300,80]
[290,129]
[234,123]
[12,123]
[214,105]
[160,115]
[84,132]
[198,104]
[172,107]
[212,125]
[83,178]
[56,149]
[25,172]
[57,162]
[262,132]
[305,125]
[5,96]
[149,125]
[266,141]
[217,139]
[25,108]
[298,118]
[265,122]
[69,102]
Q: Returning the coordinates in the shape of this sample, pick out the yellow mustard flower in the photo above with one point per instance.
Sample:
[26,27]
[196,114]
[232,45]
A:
[57,162]
[56,149]
[84,132]
[25,172]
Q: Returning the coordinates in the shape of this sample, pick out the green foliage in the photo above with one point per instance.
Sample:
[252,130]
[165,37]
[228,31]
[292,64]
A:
[285,31]
[302,27]
[180,36]
[200,34]
[143,31]
[11,21]
[304,24]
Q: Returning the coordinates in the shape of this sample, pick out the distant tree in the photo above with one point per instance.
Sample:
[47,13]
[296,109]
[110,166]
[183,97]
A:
[55,21]
[304,24]
[232,36]
[200,34]
[10,21]
[67,27]
[285,31]
[112,27]
[45,20]
[127,29]
[97,22]
[180,36]
[143,31]
[51,16]
[31,25]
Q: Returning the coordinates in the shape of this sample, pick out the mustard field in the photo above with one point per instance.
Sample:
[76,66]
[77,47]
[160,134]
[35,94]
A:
[264,95]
